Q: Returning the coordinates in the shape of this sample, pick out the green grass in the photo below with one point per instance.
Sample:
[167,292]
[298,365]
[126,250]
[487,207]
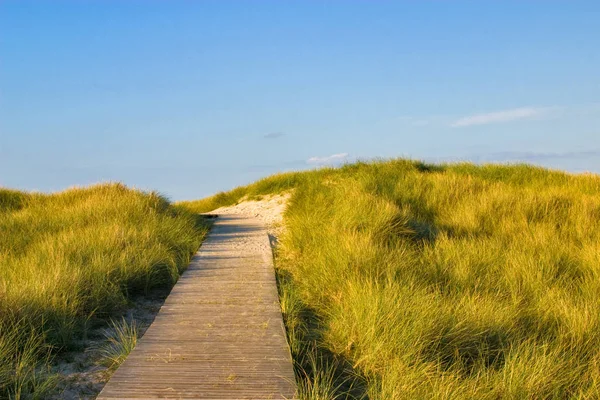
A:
[440,281]
[80,254]
[121,339]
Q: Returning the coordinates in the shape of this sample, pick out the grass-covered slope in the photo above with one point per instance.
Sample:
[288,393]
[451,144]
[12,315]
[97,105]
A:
[451,281]
[71,256]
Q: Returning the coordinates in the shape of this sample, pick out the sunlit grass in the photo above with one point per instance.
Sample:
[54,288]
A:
[444,281]
[72,255]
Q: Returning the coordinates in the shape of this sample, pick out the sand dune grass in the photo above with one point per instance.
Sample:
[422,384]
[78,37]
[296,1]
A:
[76,255]
[447,281]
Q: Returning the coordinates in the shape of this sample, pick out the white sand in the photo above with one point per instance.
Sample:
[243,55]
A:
[268,210]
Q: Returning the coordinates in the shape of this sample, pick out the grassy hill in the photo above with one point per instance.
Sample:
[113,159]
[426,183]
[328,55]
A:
[440,281]
[76,255]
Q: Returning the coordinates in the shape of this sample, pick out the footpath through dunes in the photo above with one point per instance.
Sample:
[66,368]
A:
[220,333]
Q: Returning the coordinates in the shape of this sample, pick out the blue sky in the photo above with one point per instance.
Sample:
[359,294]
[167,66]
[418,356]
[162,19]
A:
[189,98]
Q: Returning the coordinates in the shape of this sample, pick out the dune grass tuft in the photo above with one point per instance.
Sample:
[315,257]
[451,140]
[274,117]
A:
[120,339]
[68,256]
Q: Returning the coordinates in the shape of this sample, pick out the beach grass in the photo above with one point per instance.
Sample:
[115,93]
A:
[75,255]
[450,281]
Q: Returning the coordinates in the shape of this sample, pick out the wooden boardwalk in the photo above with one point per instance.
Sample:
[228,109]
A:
[219,334]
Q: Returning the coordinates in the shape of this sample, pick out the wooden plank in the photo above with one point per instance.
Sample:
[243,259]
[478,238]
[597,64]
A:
[219,334]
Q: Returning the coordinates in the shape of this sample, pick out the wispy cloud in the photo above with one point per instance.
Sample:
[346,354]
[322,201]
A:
[332,159]
[274,135]
[502,116]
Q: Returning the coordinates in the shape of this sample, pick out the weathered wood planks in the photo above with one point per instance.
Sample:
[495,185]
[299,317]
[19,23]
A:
[220,333]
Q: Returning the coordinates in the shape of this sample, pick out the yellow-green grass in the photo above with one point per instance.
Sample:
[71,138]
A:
[75,255]
[442,281]
[121,339]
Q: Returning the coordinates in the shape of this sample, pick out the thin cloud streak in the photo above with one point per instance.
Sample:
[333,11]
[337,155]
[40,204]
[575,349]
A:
[501,116]
[332,159]
[274,135]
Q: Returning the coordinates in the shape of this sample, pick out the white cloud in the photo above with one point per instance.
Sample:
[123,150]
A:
[501,116]
[332,159]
